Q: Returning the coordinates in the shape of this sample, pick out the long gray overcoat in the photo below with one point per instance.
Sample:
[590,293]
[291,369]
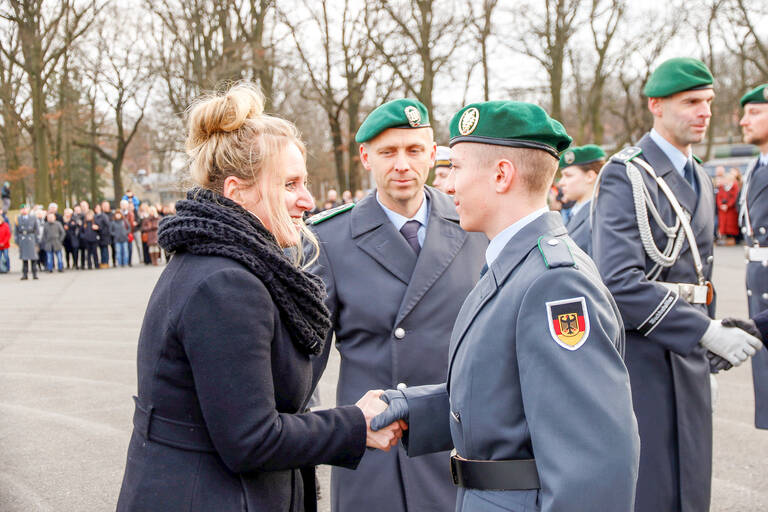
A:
[392,315]
[516,390]
[27,236]
[668,369]
[757,280]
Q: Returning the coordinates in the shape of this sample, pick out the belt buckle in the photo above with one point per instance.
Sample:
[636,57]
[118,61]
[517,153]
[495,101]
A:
[454,473]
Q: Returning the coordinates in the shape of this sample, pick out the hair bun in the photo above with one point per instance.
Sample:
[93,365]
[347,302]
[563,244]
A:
[223,113]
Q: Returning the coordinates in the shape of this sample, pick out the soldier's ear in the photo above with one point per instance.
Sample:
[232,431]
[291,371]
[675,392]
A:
[504,175]
[364,157]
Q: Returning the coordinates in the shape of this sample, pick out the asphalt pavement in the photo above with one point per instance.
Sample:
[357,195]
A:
[67,373]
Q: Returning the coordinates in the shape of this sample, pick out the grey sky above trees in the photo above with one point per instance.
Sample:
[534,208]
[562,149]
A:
[92,84]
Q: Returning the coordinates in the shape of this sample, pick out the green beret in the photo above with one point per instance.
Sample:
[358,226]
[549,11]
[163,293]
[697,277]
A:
[509,123]
[404,113]
[582,155]
[678,75]
[757,95]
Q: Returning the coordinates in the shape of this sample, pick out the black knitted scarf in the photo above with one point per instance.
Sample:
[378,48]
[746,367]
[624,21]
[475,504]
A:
[209,224]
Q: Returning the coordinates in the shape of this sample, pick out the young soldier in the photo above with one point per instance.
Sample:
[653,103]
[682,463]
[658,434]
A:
[397,267]
[652,240]
[754,217]
[580,167]
[537,402]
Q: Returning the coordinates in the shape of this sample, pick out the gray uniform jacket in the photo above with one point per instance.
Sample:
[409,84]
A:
[392,316]
[27,236]
[757,279]
[515,391]
[668,368]
[580,228]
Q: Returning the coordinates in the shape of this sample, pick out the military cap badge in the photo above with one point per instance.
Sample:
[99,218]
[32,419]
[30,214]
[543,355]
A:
[468,121]
[413,116]
[568,322]
[569,157]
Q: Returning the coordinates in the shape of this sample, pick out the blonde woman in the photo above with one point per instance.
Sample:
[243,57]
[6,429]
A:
[231,333]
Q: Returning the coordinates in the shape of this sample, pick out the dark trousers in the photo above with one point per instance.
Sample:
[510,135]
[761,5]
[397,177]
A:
[25,264]
[83,252]
[104,254]
[71,252]
[91,257]
[145,248]
[114,255]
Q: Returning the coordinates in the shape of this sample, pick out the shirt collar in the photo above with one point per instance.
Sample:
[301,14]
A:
[577,207]
[677,157]
[422,214]
[763,159]
[500,241]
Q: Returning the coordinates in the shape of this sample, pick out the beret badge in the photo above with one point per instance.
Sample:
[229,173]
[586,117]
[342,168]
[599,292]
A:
[413,116]
[569,157]
[468,121]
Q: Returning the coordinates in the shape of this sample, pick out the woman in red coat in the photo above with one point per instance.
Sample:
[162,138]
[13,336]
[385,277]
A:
[5,243]
[727,209]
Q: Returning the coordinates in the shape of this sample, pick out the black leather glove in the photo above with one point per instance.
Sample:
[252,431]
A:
[717,363]
[748,326]
[397,410]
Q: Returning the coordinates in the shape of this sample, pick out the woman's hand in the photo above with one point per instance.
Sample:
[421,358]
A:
[382,439]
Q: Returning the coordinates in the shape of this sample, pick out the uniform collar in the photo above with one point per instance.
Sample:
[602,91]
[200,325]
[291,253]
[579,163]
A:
[500,241]
[677,157]
[422,214]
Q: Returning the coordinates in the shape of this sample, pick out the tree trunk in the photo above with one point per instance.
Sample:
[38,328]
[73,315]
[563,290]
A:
[92,153]
[338,150]
[40,142]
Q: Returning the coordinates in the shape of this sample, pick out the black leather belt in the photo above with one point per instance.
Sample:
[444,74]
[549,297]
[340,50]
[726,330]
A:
[497,475]
[178,434]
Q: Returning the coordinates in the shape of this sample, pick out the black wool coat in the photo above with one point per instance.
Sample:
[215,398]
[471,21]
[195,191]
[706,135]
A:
[226,388]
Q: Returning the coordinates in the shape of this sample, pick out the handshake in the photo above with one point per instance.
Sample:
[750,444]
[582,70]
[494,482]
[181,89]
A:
[730,342]
[386,415]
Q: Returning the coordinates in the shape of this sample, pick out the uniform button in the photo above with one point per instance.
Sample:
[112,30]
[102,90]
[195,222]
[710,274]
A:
[765,263]
[765,296]
[553,242]
[710,258]
[762,230]
[749,293]
[402,386]
[399,333]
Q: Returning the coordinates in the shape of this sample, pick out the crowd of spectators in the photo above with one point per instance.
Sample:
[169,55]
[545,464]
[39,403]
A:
[85,237]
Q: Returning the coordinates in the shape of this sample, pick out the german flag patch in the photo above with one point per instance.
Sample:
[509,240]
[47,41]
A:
[568,322]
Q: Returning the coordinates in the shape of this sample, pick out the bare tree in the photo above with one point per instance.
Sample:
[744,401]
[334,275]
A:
[416,40]
[46,32]
[252,17]
[482,26]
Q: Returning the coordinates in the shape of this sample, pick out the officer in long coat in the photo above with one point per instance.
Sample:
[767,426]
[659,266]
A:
[579,168]
[754,220]
[537,401]
[652,241]
[27,235]
[394,294]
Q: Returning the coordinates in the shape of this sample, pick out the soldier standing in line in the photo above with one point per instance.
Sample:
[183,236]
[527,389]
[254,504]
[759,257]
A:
[579,167]
[442,168]
[754,209]
[652,240]
[537,404]
[396,266]
[27,235]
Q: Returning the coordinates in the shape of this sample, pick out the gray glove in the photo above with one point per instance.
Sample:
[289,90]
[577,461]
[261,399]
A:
[730,343]
[717,363]
[397,410]
[747,325]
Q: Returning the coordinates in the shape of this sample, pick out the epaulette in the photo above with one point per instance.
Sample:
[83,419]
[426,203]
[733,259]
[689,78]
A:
[555,252]
[626,154]
[327,214]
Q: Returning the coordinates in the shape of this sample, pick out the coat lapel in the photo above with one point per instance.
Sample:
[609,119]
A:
[577,220]
[375,235]
[511,256]
[706,203]
[443,242]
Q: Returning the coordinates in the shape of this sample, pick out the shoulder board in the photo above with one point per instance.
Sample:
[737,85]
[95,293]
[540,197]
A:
[327,214]
[555,252]
[697,159]
[626,154]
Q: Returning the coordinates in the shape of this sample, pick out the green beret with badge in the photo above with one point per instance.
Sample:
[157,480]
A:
[402,113]
[582,155]
[678,75]
[757,95]
[509,123]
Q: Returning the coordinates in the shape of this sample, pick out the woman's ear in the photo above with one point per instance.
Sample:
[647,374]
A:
[232,189]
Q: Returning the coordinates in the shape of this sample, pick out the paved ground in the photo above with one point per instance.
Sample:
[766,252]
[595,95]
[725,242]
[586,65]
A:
[67,373]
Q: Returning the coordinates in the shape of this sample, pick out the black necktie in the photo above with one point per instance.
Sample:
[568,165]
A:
[484,269]
[690,177]
[410,231]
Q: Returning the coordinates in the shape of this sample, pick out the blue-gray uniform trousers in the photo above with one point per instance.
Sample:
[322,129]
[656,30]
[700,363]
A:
[515,390]
[668,368]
